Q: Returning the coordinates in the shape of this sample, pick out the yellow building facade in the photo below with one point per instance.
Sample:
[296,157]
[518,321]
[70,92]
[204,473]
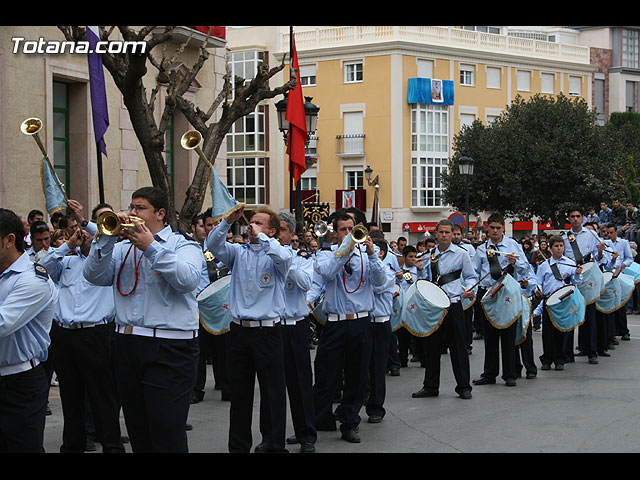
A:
[359,77]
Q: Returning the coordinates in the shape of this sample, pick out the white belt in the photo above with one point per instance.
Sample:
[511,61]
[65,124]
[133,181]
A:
[335,317]
[380,319]
[18,367]
[157,332]
[269,322]
[72,326]
[291,321]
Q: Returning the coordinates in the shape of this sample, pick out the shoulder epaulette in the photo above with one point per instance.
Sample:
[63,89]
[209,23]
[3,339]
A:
[41,271]
[304,254]
[185,235]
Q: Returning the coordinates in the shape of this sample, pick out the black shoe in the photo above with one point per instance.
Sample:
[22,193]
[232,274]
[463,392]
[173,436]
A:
[626,337]
[510,382]
[559,366]
[375,418]
[197,397]
[465,394]
[307,447]
[531,375]
[484,381]
[603,353]
[394,372]
[478,336]
[423,392]
[265,447]
[615,342]
[349,434]
[90,446]
[593,360]
[545,366]
[189,427]
[611,346]
[293,440]
[581,353]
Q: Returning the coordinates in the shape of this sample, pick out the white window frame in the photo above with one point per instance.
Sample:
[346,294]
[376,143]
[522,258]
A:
[467,75]
[352,72]
[491,82]
[353,178]
[239,169]
[250,61]
[308,75]
[429,154]
[248,134]
[630,47]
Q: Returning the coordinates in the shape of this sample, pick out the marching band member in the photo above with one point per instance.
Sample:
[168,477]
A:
[621,258]
[346,336]
[28,299]
[524,351]
[412,270]
[468,313]
[257,303]
[582,245]
[83,360]
[449,264]
[295,339]
[154,273]
[381,338]
[490,269]
[552,274]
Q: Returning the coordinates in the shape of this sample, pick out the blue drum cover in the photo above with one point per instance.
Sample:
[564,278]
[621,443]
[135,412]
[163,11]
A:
[505,307]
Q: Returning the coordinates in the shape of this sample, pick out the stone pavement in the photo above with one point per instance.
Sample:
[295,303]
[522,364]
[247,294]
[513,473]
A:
[583,409]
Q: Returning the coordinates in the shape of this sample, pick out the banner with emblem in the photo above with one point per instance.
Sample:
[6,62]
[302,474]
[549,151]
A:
[312,213]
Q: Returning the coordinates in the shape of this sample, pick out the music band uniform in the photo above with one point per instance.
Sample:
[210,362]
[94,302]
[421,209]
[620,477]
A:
[156,342]
[524,350]
[83,361]
[450,269]
[618,319]
[28,300]
[257,303]
[346,336]
[495,339]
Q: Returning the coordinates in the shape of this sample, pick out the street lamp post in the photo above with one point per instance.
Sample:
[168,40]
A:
[465,165]
[311,119]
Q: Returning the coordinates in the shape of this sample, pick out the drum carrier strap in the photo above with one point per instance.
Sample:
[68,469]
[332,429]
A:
[438,279]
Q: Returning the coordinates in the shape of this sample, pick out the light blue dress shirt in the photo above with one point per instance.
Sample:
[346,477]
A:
[587,243]
[349,293]
[298,282]
[383,294]
[27,305]
[259,273]
[481,261]
[548,282]
[532,282]
[79,301]
[415,274]
[170,270]
[621,245]
[452,259]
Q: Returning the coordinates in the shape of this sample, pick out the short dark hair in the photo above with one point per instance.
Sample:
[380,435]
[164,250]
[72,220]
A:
[157,197]
[408,249]
[11,223]
[444,222]
[56,216]
[495,218]
[382,245]
[33,214]
[611,225]
[555,239]
[99,206]
[38,226]
[576,208]
[358,214]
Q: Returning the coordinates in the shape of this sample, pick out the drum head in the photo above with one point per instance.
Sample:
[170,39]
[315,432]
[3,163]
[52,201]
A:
[559,295]
[587,266]
[433,293]
[213,288]
[607,276]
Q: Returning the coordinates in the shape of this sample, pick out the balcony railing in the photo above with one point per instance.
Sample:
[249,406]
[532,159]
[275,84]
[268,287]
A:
[327,37]
[350,145]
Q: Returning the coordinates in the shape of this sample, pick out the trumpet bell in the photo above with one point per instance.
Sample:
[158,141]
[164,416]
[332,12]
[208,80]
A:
[191,139]
[359,234]
[31,126]
[109,224]
[321,228]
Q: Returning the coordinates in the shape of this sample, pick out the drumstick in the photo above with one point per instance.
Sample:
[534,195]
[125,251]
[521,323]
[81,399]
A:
[600,241]
[504,253]
[478,282]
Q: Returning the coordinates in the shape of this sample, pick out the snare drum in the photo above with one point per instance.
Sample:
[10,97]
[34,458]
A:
[502,303]
[611,297]
[634,271]
[213,303]
[593,283]
[566,307]
[424,309]
[398,302]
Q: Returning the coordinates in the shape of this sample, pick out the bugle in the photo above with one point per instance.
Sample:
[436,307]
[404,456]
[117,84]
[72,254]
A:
[192,140]
[359,234]
[109,223]
[32,126]
[322,228]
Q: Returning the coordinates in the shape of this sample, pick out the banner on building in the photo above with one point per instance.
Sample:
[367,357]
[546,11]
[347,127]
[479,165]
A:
[430,90]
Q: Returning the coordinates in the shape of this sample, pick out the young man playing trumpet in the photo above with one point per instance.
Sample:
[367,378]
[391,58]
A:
[154,273]
[346,336]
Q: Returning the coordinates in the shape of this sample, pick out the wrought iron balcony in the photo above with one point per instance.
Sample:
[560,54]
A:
[350,145]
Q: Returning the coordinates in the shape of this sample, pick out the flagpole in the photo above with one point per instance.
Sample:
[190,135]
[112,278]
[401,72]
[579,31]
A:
[291,197]
[100,177]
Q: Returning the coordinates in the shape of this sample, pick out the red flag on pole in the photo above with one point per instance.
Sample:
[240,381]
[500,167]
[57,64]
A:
[297,123]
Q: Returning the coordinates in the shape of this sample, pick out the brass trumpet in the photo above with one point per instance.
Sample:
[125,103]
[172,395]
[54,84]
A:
[110,225]
[32,126]
[359,234]
[321,228]
[192,140]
